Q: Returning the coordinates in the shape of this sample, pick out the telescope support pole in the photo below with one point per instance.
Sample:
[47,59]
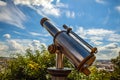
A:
[59,60]
[58,73]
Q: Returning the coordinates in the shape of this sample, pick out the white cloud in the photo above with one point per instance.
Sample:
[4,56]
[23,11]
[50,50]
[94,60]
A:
[7,36]
[12,15]
[111,46]
[24,2]
[9,13]
[43,7]
[93,32]
[39,34]
[100,32]
[61,5]
[114,37]
[107,41]
[57,1]
[2,3]
[35,45]
[35,34]
[108,51]
[51,11]
[35,42]
[12,46]
[96,40]
[70,14]
[16,32]
[81,32]
[3,47]
[100,1]
[96,36]
[118,8]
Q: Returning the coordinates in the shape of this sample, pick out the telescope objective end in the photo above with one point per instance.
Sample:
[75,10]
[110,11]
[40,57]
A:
[43,20]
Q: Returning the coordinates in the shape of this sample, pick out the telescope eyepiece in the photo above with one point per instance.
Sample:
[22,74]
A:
[43,20]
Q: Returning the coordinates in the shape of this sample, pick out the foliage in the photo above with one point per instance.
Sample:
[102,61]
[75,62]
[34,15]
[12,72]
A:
[32,66]
[95,75]
[116,62]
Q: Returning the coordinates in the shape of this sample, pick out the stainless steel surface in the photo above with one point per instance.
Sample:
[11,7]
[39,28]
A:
[74,51]
[80,40]
[72,46]
[50,27]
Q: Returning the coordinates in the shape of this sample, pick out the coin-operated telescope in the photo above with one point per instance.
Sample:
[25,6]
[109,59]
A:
[66,42]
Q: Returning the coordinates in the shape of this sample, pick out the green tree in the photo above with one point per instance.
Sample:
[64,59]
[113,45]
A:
[95,75]
[116,62]
[31,66]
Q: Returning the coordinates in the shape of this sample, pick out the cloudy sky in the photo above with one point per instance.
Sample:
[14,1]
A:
[96,21]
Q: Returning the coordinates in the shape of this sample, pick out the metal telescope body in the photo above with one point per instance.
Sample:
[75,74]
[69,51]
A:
[78,51]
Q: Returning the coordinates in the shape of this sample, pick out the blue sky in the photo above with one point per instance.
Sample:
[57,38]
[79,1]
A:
[96,21]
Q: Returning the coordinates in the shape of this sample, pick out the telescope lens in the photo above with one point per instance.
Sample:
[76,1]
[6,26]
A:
[43,20]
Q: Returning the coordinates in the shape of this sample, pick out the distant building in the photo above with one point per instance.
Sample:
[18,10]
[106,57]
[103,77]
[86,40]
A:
[104,65]
[3,62]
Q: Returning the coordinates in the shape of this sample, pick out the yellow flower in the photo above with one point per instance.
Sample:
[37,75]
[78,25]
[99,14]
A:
[33,65]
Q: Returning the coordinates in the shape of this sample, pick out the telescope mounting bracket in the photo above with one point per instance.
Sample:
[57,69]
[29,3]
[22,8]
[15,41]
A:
[67,28]
[59,56]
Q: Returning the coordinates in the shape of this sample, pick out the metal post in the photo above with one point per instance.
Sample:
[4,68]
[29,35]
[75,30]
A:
[59,60]
[59,72]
